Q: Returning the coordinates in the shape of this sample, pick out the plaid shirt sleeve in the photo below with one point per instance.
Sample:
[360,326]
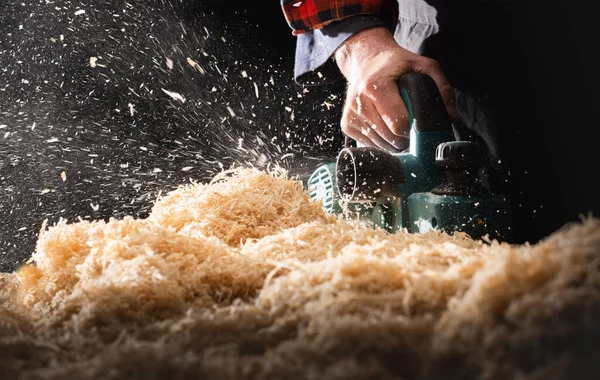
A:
[305,15]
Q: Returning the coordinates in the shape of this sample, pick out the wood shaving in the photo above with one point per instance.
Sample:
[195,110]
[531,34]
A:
[175,95]
[247,278]
[195,65]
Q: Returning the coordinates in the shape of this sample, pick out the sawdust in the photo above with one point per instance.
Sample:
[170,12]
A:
[249,207]
[247,278]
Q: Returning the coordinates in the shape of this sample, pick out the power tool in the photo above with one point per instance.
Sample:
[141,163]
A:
[436,183]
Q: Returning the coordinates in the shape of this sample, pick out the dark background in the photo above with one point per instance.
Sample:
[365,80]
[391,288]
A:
[533,66]
[533,62]
[58,114]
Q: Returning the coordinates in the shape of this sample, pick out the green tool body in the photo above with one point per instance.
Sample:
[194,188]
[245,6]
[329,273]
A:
[434,184]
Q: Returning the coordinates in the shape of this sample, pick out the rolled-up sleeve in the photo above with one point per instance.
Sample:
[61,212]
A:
[306,15]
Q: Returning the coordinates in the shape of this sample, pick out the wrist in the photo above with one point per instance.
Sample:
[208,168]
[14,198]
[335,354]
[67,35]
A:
[364,44]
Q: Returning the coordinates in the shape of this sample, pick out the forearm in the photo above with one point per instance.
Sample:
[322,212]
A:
[314,50]
[410,22]
[321,26]
[361,46]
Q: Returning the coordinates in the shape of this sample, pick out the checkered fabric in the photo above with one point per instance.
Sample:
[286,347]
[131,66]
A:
[306,15]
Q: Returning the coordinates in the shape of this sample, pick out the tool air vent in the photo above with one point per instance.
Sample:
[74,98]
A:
[321,187]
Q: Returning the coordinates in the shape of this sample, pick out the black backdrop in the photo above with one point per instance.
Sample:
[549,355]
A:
[98,142]
[535,65]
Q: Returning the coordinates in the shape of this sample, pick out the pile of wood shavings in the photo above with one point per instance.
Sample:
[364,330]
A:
[247,278]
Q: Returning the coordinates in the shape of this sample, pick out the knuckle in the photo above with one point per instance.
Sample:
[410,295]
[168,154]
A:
[369,82]
[368,86]
[374,91]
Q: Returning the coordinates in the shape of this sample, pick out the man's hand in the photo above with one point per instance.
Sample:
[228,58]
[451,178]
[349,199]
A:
[374,113]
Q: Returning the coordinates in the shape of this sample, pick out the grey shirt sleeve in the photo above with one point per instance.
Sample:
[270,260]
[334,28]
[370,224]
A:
[315,49]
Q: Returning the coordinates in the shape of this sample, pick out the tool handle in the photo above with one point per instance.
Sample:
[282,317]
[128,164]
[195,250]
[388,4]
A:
[424,103]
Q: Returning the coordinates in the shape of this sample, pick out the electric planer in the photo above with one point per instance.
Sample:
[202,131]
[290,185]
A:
[435,184]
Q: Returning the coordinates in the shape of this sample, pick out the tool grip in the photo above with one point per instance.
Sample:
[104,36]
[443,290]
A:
[424,103]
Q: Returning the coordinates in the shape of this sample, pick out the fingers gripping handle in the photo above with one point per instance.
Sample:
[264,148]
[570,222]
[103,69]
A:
[424,103]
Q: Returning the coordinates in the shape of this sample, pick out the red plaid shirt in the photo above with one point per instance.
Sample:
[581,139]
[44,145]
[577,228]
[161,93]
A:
[306,15]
